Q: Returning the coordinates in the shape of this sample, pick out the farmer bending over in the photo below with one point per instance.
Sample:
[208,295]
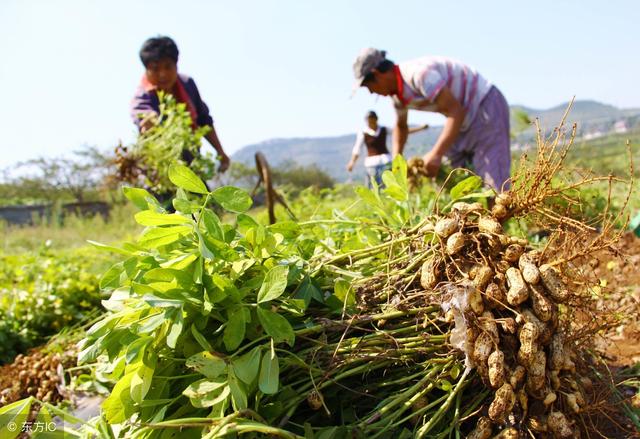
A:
[160,58]
[476,131]
[374,138]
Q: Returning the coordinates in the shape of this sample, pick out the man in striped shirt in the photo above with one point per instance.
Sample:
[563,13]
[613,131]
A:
[476,131]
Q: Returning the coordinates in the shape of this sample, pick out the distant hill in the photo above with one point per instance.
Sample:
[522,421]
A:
[581,111]
[594,119]
[332,153]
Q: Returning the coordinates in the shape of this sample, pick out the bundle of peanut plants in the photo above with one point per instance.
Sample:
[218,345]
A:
[398,322]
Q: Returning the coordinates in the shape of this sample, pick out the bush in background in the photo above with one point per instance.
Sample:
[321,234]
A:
[42,293]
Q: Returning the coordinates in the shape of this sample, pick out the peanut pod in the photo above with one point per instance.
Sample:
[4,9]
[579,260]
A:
[496,369]
[487,224]
[502,403]
[483,429]
[518,290]
[553,283]
[445,227]
[542,306]
[559,425]
[429,274]
[455,243]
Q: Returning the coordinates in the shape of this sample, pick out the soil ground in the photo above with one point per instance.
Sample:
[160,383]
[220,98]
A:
[620,277]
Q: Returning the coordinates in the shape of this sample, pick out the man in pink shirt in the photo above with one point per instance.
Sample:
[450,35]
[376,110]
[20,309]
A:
[476,131]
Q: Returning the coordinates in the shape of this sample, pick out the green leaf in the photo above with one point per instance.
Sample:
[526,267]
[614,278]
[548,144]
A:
[393,188]
[213,292]
[479,195]
[247,366]
[92,350]
[399,168]
[161,302]
[207,393]
[64,415]
[444,385]
[119,406]
[151,322]
[44,415]
[164,235]
[203,248]
[206,363]
[274,283]
[245,222]
[151,218]
[232,199]
[200,338]
[137,348]
[45,427]
[308,291]
[109,248]
[239,267]
[111,279]
[371,198]
[465,187]
[344,292]
[142,199]
[185,206]
[288,229]
[13,417]
[141,380]
[276,326]
[131,267]
[455,372]
[255,236]
[181,262]
[269,372]
[308,431]
[238,393]
[203,386]
[234,330]
[186,179]
[103,326]
[175,330]
[294,306]
[177,278]
[213,224]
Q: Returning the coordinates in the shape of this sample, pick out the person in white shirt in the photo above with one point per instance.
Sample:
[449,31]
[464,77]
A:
[373,139]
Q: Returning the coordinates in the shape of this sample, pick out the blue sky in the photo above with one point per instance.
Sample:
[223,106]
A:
[283,68]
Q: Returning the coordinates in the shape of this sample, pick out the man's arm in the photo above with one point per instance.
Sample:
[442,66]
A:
[400,132]
[144,110]
[212,138]
[450,107]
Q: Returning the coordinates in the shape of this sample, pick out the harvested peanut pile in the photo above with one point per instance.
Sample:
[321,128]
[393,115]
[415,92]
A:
[36,374]
[415,172]
[505,301]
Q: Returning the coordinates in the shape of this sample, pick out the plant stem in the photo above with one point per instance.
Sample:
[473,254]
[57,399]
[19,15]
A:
[436,416]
